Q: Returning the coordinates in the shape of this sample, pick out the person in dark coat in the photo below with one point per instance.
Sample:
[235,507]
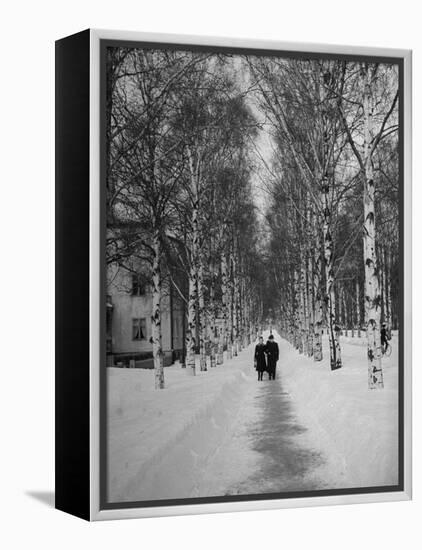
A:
[384,338]
[260,360]
[272,356]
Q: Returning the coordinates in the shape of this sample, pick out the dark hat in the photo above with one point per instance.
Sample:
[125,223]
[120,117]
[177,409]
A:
[270,337]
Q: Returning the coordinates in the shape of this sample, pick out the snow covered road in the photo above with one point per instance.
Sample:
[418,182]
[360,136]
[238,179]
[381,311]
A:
[224,433]
[270,446]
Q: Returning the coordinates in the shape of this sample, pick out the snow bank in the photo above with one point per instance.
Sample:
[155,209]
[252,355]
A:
[356,427]
[160,441]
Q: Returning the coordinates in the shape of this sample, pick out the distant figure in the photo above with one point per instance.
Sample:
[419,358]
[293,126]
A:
[272,356]
[260,361]
[384,338]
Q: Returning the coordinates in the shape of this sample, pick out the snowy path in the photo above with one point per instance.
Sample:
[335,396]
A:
[285,462]
[224,433]
[269,450]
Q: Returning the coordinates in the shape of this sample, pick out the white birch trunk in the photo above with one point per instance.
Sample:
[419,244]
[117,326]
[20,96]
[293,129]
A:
[224,306]
[157,351]
[327,177]
[372,296]
[333,334]
[193,294]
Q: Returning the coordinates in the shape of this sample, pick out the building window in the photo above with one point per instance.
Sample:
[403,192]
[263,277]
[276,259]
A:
[138,285]
[139,329]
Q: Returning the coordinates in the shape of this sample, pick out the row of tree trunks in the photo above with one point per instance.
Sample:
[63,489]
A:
[236,330]
[304,310]
[309,268]
[313,301]
[226,309]
[202,328]
[211,324]
[319,312]
[235,305]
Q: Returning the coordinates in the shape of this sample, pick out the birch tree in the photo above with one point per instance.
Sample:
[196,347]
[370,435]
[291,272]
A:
[211,121]
[144,165]
[369,118]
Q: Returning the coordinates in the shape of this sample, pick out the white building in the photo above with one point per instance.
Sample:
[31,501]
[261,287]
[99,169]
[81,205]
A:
[129,307]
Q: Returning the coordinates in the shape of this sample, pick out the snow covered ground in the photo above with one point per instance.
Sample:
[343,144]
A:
[356,427]
[223,432]
[160,442]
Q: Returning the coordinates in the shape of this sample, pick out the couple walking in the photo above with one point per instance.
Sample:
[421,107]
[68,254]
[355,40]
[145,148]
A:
[266,357]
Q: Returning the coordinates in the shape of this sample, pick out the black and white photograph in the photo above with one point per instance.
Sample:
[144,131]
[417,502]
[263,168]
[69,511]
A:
[214,206]
[252,302]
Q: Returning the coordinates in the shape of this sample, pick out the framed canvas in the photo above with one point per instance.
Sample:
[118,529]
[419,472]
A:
[233,282]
